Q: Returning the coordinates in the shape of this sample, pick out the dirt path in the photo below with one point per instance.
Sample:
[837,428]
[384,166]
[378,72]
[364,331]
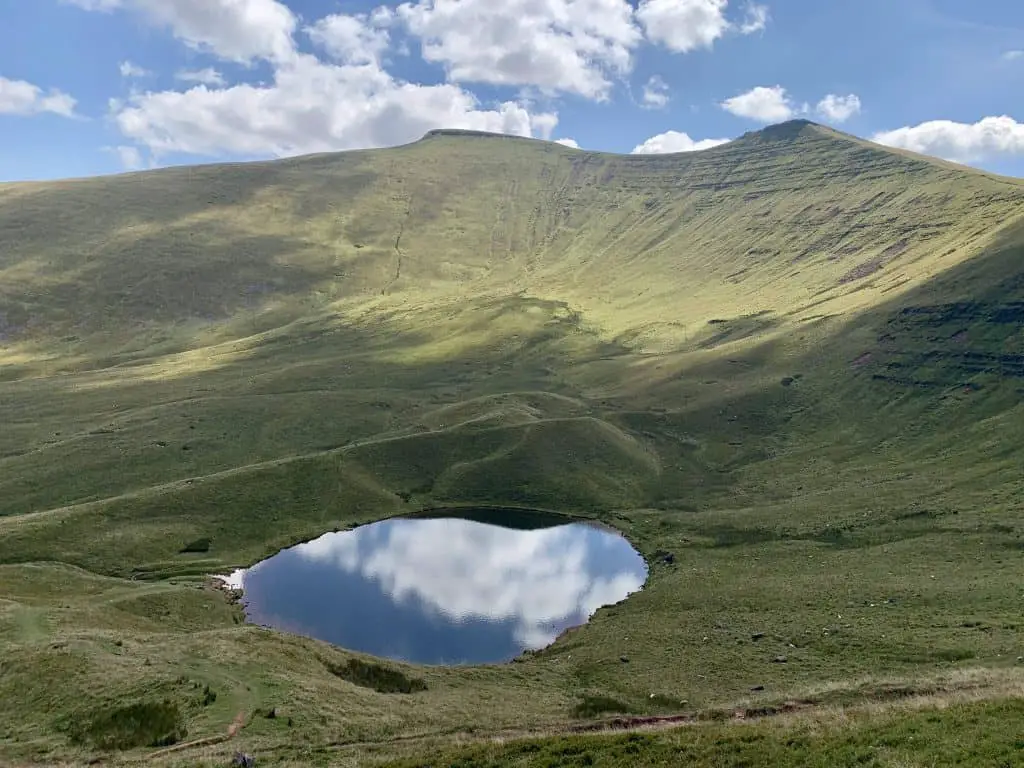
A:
[884,698]
[236,725]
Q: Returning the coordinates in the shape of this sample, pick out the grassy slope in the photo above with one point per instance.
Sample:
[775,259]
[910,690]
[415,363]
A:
[795,361]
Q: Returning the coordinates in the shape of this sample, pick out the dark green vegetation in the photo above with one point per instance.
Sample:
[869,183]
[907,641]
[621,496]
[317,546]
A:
[793,363]
[148,724]
[376,676]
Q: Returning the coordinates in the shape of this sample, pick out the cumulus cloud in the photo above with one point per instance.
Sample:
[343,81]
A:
[683,25]
[128,69]
[571,143]
[764,104]
[655,92]
[553,45]
[238,30]
[312,106]
[343,98]
[18,97]
[686,25]
[206,76]
[839,109]
[960,142]
[350,39]
[674,141]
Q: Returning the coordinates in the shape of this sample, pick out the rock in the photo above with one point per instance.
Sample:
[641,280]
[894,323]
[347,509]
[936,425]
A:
[757,636]
[779,660]
[757,688]
[272,713]
[242,760]
[624,659]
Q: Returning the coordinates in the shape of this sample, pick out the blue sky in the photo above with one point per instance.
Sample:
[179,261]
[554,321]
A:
[101,86]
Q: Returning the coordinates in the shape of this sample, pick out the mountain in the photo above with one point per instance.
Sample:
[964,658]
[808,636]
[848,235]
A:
[794,360]
[786,219]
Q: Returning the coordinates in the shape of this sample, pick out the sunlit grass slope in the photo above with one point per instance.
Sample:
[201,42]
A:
[795,361]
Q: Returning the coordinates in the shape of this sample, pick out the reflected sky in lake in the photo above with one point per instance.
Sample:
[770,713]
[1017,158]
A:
[442,591]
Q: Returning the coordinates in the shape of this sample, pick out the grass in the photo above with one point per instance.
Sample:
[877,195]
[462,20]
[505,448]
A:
[957,735]
[791,362]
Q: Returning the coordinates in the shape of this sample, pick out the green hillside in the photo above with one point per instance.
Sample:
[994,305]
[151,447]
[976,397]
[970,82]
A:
[796,361]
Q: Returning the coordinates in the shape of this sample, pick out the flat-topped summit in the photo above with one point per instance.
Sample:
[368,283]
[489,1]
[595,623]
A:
[470,133]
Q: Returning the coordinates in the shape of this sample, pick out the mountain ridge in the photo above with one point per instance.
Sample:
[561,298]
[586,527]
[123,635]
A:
[789,130]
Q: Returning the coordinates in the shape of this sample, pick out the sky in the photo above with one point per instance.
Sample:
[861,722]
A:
[103,86]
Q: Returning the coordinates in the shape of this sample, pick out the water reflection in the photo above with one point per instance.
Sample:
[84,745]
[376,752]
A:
[442,591]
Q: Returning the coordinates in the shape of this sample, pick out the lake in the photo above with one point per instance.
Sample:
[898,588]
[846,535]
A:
[476,589]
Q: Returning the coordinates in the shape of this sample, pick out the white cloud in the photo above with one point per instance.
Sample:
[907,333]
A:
[18,97]
[686,25]
[655,92]
[766,105]
[311,107]
[128,69]
[1013,55]
[839,109]
[961,142]
[239,30]
[674,141]
[349,39]
[756,19]
[553,45]
[571,143]
[206,76]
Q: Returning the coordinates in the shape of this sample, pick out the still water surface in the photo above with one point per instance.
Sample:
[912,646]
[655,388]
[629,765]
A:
[443,591]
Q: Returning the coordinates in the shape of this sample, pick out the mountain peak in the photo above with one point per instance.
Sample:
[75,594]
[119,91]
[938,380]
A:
[787,131]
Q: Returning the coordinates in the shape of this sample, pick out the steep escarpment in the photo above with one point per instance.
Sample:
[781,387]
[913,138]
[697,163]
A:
[789,220]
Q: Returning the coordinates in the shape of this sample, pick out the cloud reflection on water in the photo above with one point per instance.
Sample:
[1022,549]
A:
[464,569]
[442,590]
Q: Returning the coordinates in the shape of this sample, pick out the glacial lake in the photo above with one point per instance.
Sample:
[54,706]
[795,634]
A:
[471,590]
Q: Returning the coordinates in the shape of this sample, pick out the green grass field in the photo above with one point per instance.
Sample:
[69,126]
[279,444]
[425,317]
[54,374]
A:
[796,361]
